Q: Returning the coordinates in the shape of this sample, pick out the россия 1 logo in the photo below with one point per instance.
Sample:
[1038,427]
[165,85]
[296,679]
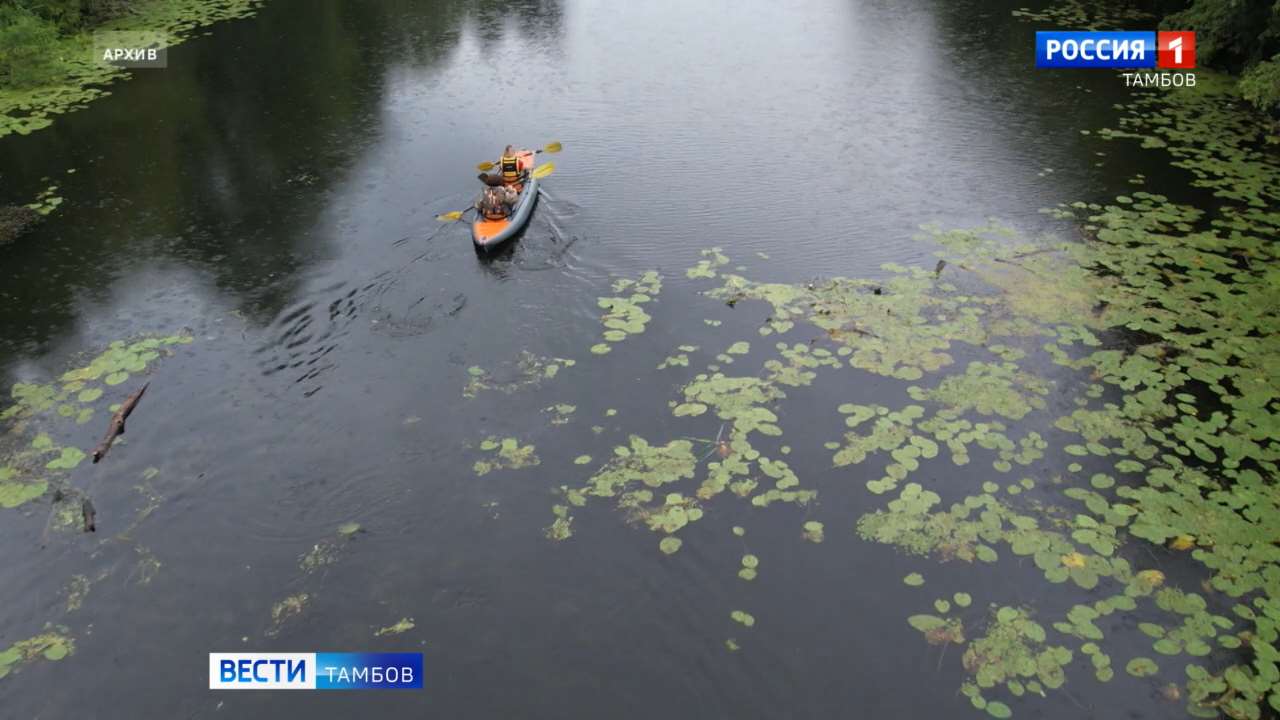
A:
[1121,49]
[1176,49]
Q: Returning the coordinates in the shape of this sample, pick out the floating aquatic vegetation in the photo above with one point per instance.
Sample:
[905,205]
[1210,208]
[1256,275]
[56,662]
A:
[678,360]
[669,516]
[1012,653]
[1161,330]
[988,389]
[14,493]
[83,74]
[285,611]
[706,268]
[507,454]
[403,626]
[914,579]
[77,589]
[813,531]
[561,527]
[739,400]
[625,315]
[909,442]
[670,544]
[884,328]
[560,413]
[971,529]
[147,566]
[740,616]
[31,461]
[328,551]
[54,644]
[639,464]
[47,201]
[529,371]
[937,630]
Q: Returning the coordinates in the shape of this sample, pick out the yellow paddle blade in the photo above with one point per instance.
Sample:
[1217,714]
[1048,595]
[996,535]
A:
[485,166]
[451,216]
[554,147]
[544,170]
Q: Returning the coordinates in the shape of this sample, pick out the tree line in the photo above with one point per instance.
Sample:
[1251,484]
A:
[1239,36]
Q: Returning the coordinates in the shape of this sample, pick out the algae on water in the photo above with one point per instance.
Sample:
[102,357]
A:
[1117,390]
[32,458]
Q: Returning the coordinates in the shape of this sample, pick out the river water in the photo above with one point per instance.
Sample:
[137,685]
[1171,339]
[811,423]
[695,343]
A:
[272,194]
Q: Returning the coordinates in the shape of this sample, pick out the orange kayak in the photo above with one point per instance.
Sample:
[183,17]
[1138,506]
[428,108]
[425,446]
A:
[488,234]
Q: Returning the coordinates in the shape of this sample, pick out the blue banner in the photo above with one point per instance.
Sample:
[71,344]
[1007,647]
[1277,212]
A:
[368,671]
[315,671]
[1091,49]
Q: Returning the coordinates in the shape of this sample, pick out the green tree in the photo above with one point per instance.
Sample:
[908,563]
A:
[1240,36]
[27,48]
[1260,84]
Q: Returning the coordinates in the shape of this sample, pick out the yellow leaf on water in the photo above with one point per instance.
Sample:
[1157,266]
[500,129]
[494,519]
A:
[1182,542]
[1151,578]
[1073,560]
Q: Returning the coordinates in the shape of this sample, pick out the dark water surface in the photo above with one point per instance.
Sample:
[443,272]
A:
[254,193]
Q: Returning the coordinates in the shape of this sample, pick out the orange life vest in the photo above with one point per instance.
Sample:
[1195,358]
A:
[510,165]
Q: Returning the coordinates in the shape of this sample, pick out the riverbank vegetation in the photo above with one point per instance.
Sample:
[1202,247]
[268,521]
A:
[1240,36]
[34,35]
[47,63]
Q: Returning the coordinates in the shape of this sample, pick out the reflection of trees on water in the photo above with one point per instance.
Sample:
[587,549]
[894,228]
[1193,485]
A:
[492,19]
[222,160]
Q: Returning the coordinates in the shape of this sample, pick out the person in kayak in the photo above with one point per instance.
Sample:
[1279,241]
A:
[512,170]
[496,202]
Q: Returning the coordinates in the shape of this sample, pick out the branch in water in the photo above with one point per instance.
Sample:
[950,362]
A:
[116,428]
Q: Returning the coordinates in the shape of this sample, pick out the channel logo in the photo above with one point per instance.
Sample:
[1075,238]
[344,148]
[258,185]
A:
[1115,49]
[315,671]
[1176,49]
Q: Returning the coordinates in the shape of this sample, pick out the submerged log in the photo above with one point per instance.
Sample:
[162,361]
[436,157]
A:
[116,428]
[88,512]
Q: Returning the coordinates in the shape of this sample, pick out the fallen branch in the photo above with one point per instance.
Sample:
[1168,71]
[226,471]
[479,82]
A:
[116,428]
[1010,260]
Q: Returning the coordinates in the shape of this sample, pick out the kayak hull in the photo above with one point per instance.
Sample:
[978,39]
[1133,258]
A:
[488,235]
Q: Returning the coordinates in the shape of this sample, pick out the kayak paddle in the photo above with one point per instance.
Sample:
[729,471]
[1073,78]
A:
[453,216]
